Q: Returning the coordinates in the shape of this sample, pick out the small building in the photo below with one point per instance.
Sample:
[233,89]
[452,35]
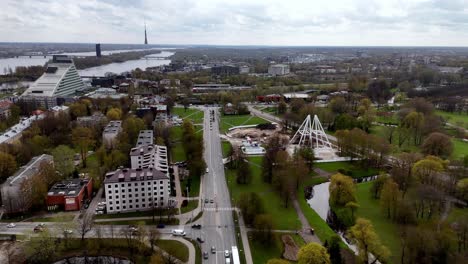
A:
[60,109]
[252,148]
[5,109]
[244,69]
[269,98]
[17,190]
[110,133]
[278,69]
[69,195]
[93,120]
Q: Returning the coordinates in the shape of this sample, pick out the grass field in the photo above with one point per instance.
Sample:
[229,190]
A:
[190,206]
[407,146]
[353,169]
[239,120]
[194,186]
[460,148]
[261,253]
[195,115]
[173,221]
[58,218]
[454,118]
[284,218]
[225,146]
[175,248]
[387,231]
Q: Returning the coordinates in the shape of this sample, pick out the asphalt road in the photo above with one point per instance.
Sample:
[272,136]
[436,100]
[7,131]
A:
[217,222]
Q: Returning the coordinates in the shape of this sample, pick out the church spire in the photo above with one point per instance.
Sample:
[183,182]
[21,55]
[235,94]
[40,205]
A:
[146,38]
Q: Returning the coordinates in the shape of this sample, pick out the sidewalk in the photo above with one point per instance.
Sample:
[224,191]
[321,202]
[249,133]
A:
[305,232]
[245,239]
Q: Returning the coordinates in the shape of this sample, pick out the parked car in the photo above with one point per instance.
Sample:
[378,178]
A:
[161,226]
[211,201]
[206,200]
[11,225]
[227,254]
[68,231]
[38,229]
[196,226]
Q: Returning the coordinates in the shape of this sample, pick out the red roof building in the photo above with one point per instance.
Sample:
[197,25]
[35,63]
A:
[69,195]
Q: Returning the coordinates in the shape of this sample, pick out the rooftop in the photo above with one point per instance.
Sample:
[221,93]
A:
[29,169]
[127,175]
[70,187]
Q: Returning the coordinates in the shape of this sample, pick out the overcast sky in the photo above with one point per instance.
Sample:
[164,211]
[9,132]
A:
[238,22]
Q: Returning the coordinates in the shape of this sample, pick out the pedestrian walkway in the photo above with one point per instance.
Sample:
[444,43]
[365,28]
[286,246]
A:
[178,190]
[245,239]
[305,233]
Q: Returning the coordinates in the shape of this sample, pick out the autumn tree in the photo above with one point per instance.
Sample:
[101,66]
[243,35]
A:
[82,137]
[363,235]
[389,198]
[114,114]
[366,114]
[427,169]
[277,261]
[414,122]
[313,253]
[342,190]
[437,144]
[401,171]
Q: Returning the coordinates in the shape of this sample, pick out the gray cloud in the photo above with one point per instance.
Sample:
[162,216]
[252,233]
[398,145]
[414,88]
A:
[269,22]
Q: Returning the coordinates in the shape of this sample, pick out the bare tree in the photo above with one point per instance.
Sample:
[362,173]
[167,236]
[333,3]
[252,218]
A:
[153,237]
[85,224]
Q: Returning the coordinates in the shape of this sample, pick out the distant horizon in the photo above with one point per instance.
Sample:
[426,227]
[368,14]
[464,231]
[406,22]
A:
[233,45]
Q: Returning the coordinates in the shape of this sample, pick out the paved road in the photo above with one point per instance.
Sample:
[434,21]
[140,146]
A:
[218,225]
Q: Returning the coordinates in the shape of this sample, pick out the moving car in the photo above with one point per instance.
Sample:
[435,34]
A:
[161,226]
[205,255]
[227,254]
[178,232]
[200,239]
[11,225]
[213,250]
[196,226]
[68,231]
[38,229]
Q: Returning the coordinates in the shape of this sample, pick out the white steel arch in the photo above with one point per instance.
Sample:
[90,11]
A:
[311,134]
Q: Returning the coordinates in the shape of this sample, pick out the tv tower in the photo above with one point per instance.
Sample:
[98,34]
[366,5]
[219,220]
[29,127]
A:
[146,38]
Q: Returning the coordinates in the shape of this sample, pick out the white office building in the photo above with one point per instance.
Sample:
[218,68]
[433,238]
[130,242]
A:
[278,69]
[60,80]
[130,190]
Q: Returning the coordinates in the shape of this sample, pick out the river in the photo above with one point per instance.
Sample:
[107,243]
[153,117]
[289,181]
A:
[11,63]
[143,63]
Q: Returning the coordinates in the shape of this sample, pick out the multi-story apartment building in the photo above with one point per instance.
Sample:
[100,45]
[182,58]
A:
[145,137]
[278,69]
[150,156]
[110,133]
[138,189]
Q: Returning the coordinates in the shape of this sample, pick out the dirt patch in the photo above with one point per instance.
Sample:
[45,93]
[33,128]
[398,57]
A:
[290,248]
[11,252]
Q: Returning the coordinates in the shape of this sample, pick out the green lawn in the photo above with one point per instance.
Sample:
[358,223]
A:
[352,169]
[190,206]
[460,148]
[261,253]
[239,120]
[175,248]
[129,214]
[173,221]
[225,146]
[195,115]
[456,213]
[385,119]
[369,208]
[177,152]
[284,218]
[455,118]
[194,186]
[58,218]
[407,145]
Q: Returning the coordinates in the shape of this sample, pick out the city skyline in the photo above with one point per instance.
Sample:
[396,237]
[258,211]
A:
[271,23]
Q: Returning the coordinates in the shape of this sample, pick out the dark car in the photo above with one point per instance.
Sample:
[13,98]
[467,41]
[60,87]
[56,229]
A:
[161,226]
[205,255]
[38,229]
[196,226]
[200,239]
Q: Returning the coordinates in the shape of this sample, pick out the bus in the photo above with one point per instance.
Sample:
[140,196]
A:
[235,255]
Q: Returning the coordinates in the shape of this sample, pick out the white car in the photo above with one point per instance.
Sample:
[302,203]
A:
[68,231]
[178,232]
[227,254]
[11,225]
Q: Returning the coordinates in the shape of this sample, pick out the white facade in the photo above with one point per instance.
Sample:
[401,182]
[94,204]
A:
[150,156]
[278,69]
[129,190]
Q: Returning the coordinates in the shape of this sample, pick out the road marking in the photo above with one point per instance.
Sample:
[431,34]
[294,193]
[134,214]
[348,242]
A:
[210,209]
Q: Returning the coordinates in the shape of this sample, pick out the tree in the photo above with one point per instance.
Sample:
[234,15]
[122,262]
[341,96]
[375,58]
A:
[342,190]
[338,105]
[379,91]
[414,122]
[437,144]
[389,199]
[427,169]
[243,174]
[41,249]
[63,160]
[85,224]
[282,107]
[333,248]
[263,224]
[402,168]
[114,114]
[153,237]
[367,241]
[250,205]
[366,114]
[7,166]
[313,253]
[377,185]
[277,261]
[308,156]
[82,137]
